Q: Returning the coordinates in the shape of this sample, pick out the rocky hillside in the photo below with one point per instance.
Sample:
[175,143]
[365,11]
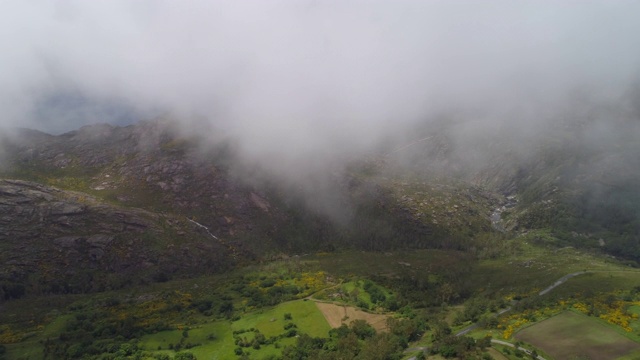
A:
[56,241]
[106,207]
[147,166]
[578,177]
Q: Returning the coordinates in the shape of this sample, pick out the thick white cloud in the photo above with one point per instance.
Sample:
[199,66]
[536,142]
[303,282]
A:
[301,77]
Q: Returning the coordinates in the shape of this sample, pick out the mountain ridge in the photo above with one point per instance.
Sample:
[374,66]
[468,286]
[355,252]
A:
[181,182]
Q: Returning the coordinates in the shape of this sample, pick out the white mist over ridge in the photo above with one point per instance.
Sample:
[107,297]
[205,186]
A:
[306,85]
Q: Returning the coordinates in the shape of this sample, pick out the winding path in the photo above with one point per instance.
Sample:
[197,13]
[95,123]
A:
[559,282]
[471,327]
[527,351]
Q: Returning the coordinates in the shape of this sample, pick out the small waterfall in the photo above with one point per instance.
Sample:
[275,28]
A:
[204,227]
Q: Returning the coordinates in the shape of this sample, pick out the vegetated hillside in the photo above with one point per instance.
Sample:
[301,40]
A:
[579,177]
[587,191]
[55,241]
[141,196]
[429,195]
[106,207]
[147,166]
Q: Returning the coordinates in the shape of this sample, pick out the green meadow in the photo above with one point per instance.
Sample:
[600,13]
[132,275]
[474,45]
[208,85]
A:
[216,340]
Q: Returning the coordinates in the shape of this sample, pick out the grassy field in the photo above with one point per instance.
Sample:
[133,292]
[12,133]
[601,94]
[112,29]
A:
[571,335]
[533,268]
[217,342]
[599,282]
[305,315]
[32,348]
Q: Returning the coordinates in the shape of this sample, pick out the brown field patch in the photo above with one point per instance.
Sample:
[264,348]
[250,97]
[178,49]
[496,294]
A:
[337,315]
[570,335]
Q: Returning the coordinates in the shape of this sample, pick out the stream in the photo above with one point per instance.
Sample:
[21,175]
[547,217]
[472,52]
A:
[496,215]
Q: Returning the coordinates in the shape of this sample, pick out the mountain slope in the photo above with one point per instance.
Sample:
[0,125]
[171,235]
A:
[56,241]
[147,202]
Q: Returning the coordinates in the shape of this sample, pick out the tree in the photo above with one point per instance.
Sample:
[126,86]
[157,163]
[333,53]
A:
[305,348]
[381,347]
[484,343]
[486,356]
[348,346]
[362,329]
[340,332]
[226,308]
[441,330]
[406,329]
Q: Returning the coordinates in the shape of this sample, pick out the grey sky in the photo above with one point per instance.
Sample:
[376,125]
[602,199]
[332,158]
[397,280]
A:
[302,76]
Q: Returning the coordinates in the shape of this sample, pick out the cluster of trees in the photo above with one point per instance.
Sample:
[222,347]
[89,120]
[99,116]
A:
[110,330]
[11,290]
[90,335]
[281,282]
[183,343]
[476,309]
[359,341]
[290,330]
[462,347]
[421,291]
[273,295]
[222,307]
[376,294]
[259,339]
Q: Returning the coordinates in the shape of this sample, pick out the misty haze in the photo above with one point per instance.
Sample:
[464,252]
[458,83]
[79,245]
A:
[319,179]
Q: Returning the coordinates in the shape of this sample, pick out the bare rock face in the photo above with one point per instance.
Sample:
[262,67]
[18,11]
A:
[150,165]
[107,206]
[55,241]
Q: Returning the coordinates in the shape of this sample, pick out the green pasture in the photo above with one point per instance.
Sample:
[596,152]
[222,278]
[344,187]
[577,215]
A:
[572,335]
[217,342]
[304,314]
